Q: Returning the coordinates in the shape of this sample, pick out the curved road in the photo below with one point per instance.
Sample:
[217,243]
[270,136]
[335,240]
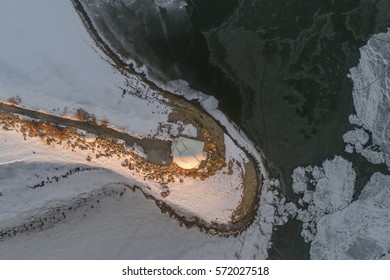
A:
[158,151]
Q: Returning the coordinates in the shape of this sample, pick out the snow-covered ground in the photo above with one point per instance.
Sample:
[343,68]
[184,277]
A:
[116,226]
[48,59]
[127,227]
[213,199]
[25,164]
[60,68]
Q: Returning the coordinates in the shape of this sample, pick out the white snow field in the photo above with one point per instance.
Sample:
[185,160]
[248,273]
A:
[58,67]
[125,226]
[48,59]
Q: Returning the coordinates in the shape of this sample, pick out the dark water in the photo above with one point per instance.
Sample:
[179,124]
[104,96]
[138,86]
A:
[278,68]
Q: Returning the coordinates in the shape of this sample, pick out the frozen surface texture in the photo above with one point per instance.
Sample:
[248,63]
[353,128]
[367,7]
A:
[361,230]
[371,94]
[323,190]
[358,140]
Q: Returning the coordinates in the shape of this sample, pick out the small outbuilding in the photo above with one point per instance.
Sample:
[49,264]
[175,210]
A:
[188,153]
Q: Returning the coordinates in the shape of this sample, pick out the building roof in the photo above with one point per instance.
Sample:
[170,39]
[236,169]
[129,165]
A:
[188,153]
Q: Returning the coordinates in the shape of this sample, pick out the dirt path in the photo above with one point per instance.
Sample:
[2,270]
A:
[158,151]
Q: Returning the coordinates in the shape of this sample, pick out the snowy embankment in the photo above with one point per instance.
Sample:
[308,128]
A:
[112,226]
[48,59]
[270,197]
[26,164]
[338,227]
[126,227]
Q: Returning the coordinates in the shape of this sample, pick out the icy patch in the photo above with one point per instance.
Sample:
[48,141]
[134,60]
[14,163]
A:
[361,230]
[137,149]
[349,149]
[374,157]
[357,136]
[371,94]
[335,189]
[386,257]
[167,130]
[299,180]
[332,189]
[356,139]
[353,119]
[190,131]
[285,211]
[81,132]
[273,200]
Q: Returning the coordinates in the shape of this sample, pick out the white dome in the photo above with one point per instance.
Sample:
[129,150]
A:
[188,153]
[90,137]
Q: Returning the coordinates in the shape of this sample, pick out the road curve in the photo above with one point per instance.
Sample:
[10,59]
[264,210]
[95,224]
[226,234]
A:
[158,151]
